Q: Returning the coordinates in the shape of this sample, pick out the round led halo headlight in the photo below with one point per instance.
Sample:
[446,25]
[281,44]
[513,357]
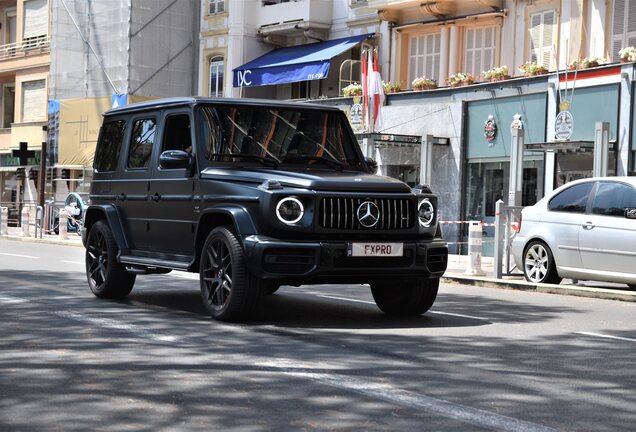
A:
[425,212]
[289,210]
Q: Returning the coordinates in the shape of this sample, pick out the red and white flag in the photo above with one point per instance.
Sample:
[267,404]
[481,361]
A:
[377,92]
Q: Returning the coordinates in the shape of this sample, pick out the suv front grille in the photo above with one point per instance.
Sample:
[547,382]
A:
[340,213]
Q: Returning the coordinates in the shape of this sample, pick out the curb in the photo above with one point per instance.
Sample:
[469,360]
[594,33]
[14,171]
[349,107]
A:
[56,241]
[572,290]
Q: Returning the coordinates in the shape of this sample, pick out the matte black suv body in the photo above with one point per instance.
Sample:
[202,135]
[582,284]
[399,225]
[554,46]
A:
[254,194]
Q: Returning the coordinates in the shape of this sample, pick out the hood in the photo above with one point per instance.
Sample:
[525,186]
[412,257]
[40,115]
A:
[311,179]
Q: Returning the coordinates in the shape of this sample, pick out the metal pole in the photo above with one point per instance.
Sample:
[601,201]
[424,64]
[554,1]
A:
[516,163]
[426,160]
[498,238]
[42,177]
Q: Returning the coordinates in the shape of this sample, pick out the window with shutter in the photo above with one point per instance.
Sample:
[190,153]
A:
[424,56]
[36,19]
[479,49]
[216,7]
[542,38]
[34,100]
[623,26]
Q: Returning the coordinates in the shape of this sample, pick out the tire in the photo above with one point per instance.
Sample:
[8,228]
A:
[409,298]
[539,265]
[229,292]
[106,277]
[270,288]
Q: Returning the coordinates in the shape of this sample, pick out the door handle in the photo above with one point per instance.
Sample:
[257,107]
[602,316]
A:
[156,197]
[588,226]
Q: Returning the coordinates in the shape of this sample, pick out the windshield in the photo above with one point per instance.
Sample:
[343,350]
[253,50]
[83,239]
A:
[274,137]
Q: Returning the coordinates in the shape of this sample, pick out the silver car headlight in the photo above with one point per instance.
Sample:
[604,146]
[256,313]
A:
[289,210]
[425,212]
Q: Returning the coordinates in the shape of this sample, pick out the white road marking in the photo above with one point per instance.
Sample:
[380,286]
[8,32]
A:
[406,398]
[183,275]
[345,299]
[11,300]
[117,325]
[73,262]
[19,256]
[370,302]
[606,336]
[460,315]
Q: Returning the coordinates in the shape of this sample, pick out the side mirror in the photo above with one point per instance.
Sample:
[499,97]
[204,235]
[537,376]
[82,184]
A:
[173,159]
[372,164]
[630,213]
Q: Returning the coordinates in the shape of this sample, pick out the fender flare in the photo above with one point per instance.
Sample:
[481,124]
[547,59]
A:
[108,213]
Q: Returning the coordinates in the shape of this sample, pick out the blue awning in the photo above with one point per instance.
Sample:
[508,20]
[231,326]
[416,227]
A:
[296,63]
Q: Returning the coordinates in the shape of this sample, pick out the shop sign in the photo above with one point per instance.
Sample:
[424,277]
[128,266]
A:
[355,115]
[563,125]
[490,130]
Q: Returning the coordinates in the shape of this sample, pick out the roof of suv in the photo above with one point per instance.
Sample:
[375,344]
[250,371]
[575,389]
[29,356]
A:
[189,101]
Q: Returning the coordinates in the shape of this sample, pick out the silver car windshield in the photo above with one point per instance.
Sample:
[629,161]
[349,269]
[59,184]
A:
[314,138]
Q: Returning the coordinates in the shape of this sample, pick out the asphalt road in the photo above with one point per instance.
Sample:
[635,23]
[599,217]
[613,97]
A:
[315,358]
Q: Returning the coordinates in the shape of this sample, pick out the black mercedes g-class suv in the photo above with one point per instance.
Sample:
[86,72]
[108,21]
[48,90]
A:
[254,194]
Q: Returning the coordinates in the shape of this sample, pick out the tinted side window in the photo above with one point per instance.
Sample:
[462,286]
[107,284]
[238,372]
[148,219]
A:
[110,139]
[573,199]
[141,141]
[611,199]
[177,134]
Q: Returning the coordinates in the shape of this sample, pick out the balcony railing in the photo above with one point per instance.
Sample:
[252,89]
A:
[29,46]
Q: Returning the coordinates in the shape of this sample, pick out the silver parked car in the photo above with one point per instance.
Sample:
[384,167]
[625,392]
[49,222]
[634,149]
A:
[583,230]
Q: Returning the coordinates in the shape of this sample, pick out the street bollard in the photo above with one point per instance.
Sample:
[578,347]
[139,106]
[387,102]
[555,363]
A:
[39,221]
[4,222]
[474,249]
[25,218]
[63,221]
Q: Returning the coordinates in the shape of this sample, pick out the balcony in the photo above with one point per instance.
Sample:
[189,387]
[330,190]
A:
[30,46]
[278,20]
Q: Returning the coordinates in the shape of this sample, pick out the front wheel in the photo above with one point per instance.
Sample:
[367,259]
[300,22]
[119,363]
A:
[228,291]
[106,277]
[539,265]
[409,298]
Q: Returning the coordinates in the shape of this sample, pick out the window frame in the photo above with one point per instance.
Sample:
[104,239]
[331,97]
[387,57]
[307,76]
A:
[627,37]
[602,184]
[543,9]
[100,145]
[591,185]
[495,47]
[215,59]
[437,56]
[209,5]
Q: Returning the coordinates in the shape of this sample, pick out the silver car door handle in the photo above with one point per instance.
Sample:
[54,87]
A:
[588,226]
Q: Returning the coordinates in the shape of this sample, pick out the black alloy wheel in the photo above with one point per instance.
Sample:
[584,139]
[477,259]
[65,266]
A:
[106,277]
[228,291]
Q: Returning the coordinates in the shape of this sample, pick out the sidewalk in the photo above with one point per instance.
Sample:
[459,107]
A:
[455,273]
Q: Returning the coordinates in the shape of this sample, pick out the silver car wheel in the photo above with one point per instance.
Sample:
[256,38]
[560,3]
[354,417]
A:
[536,263]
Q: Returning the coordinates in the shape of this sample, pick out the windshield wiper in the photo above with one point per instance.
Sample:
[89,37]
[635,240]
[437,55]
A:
[244,156]
[329,162]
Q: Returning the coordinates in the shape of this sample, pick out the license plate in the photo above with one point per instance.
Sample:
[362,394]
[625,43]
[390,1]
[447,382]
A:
[375,249]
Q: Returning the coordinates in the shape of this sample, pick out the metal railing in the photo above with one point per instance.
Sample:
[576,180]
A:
[34,45]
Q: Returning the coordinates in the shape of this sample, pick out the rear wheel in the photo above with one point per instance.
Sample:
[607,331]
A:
[539,265]
[228,291]
[106,277]
[408,298]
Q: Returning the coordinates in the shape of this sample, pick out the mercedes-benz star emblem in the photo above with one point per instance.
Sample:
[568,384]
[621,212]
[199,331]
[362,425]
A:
[368,214]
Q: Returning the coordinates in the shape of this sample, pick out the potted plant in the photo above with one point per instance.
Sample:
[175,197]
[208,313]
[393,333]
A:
[586,63]
[353,89]
[391,86]
[460,79]
[532,69]
[423,83]
[497,73]
[627,54]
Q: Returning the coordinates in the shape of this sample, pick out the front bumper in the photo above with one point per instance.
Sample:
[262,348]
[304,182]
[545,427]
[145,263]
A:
[327,261]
